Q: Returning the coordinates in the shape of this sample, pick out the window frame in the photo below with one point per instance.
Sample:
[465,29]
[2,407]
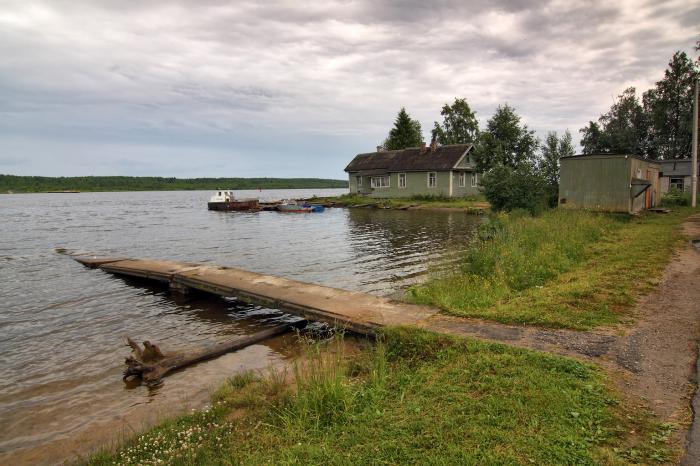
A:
[399,177]
[434,177]
[358,181]
[672,184]
[462,180]
[375,185]
[475,180]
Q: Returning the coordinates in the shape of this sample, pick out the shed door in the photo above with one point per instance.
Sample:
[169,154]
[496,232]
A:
[647,193]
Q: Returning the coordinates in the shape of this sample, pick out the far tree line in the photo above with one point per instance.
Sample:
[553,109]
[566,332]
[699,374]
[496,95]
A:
[521,171]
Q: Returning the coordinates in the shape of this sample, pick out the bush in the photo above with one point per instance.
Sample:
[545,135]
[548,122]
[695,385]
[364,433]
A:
[521,188]
[675,197]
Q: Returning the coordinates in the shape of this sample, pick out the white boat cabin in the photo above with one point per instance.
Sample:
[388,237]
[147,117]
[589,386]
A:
[223,196]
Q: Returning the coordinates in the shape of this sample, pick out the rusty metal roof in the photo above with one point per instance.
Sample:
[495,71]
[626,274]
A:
[412,159]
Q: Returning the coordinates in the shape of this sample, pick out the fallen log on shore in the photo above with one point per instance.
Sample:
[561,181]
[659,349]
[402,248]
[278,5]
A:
[150,364]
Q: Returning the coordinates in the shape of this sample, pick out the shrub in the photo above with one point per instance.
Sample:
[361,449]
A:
[675,197]
[521,188]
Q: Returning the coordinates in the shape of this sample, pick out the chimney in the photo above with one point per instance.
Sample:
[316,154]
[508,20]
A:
[433,144]
[422,147]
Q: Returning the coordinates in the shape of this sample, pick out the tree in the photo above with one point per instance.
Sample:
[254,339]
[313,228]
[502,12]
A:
[459,124]
[554,148]
[405,133]
[669,110]
[506,142]
[622,130]
[508,188]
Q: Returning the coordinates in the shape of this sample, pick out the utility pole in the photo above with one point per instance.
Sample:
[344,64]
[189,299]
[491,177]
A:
[694,179]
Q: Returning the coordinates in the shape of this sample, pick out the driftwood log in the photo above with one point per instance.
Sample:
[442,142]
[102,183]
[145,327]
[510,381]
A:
[150,364]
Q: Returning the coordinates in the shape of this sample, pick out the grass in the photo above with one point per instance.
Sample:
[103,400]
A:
[474,203]
[569,269]
[414,398]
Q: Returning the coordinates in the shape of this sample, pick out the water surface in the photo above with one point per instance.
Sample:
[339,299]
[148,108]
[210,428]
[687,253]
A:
[62,325]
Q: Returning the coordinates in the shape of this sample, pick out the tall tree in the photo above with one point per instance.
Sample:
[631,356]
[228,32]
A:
[622,128]
[669,109]
[506,141]
[459,124]
[405,133]
[553,149]
[592,139]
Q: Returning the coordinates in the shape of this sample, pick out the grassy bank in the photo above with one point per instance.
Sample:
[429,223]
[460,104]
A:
[564,268]
[37,184]
[463,203]
[417,398]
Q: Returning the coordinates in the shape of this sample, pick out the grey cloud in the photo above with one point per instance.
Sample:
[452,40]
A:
[276,85]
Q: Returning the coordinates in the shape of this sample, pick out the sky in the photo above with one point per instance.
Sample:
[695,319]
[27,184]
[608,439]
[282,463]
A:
[296,89]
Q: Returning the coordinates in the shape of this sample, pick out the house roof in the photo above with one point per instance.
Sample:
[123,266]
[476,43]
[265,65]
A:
[412,159]
[678,167]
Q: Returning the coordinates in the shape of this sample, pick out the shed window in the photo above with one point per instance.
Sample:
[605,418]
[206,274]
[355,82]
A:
[379,181]
[402,180]
[676,183]
[432,179]
[358,181]
[462,179]
[475,180]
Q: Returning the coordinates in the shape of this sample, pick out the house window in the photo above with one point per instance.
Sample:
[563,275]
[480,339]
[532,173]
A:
[358,181]
[432,179]
[462,179]
[402,180]
[475,180]
[676,183]
[379,181]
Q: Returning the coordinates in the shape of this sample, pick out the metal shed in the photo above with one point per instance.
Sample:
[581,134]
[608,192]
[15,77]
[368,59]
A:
[608,182]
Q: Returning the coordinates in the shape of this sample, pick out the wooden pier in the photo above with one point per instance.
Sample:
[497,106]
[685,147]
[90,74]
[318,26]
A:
[358,312]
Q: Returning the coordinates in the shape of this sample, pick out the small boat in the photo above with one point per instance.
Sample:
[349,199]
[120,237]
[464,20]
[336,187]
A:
[225,200]
[296,206]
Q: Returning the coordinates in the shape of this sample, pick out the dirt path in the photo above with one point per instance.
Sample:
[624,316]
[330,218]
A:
[653,362]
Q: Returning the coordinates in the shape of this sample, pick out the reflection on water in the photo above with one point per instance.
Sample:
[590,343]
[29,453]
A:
[62,325]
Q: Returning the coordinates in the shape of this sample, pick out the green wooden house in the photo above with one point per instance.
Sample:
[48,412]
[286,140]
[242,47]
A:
[447,171]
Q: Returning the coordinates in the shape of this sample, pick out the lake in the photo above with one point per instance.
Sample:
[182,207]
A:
[62,326]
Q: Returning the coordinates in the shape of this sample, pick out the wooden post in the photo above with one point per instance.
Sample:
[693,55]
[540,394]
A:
[694,178]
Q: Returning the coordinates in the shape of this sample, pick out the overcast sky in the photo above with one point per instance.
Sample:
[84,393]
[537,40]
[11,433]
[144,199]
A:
[236,88]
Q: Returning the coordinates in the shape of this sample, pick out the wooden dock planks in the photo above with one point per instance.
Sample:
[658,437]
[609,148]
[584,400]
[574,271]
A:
[358,312]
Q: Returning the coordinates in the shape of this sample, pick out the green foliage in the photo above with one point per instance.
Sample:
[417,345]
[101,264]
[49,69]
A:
[675,197]
[405,133]
[509,188]
[459,125]
[669,109]
[660,127]
[33,184]
[621,130]
[505,142]
[416,398]
[553,149]
[566,268]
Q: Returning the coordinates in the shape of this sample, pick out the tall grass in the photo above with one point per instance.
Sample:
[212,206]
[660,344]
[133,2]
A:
[415,398]
[564,268]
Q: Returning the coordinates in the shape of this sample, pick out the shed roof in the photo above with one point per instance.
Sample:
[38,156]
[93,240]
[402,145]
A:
[412,159]
[608,156]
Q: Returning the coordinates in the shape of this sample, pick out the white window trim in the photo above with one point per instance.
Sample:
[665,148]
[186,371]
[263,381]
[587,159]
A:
[398,182]
[475,179]
[428,179]
[462,180]
[374,185]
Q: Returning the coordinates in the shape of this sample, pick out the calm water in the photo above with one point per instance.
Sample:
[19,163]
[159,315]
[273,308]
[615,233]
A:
[61,325]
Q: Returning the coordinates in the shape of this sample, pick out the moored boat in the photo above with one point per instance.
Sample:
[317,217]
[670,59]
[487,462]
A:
[296,206]
[225,200]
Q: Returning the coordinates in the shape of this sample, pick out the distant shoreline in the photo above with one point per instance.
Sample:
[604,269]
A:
[12,184]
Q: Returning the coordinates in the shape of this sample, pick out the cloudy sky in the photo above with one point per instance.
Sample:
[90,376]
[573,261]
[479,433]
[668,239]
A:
[239,88]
